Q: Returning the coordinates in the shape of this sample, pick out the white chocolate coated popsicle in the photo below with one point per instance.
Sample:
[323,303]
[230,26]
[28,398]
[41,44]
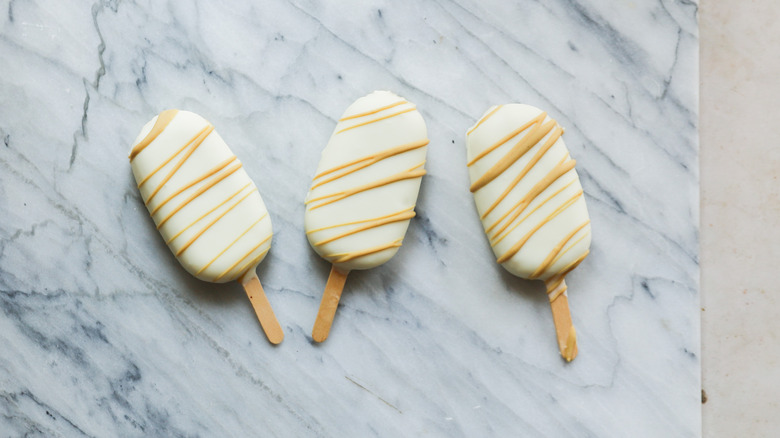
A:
[365,189]
[530,200]
[204,204]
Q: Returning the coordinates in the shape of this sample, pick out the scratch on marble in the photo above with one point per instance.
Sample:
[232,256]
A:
[373,393]
[38,26]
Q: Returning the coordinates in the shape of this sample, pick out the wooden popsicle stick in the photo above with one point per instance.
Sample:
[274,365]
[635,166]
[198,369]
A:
[254,290]
[564,329]
[329,304]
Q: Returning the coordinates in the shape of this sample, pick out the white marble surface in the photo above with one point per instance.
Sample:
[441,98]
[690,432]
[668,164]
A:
[104,334]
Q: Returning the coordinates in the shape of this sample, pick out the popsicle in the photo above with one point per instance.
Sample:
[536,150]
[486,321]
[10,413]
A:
[531,203]
[204,204]
[364,191]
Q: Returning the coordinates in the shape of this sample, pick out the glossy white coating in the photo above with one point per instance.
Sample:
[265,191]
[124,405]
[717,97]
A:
[365,188]
[540,227]
[203,202]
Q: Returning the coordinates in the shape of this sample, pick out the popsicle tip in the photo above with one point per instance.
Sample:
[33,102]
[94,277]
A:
[319,336]
[276,338]
[269,323]
[564,328]
[569,351]
[329,304]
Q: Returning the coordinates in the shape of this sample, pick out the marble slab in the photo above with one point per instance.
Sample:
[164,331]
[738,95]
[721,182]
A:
[102,333]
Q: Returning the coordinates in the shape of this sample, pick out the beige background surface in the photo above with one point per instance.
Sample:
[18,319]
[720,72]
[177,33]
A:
[740,200]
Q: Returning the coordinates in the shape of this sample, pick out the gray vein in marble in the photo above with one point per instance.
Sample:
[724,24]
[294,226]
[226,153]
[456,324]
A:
[400,79]
[95,84]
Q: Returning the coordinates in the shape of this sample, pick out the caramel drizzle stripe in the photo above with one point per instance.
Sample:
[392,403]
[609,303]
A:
[169,159]
[360,221]
[533,193]
[401,217]
[345,257]
[414,172]
[361,163]
[518,223]
[495,240]
[533,122]
[528,141]
[570,247]
[368,160]
[517,246]
[206,213]
[206,175]
[377,119]
[231,244]
[553,285]
[548,261]
[197,142]
[535,159]
[243,269]
[573,265]
[162,122]
[555,173]
[482,120]
[556,288]
[225,272]
[217,179]
[374,111]
[203,230]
